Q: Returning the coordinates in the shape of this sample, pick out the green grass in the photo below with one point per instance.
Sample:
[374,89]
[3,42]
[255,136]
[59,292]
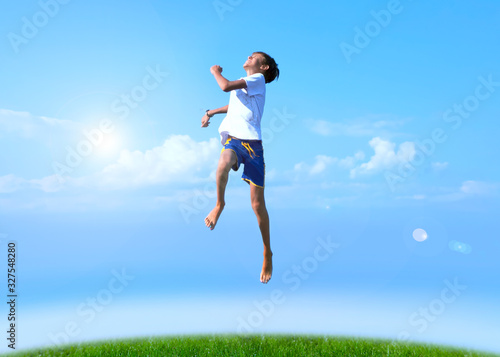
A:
[250,345]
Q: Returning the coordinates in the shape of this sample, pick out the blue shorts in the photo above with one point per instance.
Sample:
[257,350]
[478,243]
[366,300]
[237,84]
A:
[251,154]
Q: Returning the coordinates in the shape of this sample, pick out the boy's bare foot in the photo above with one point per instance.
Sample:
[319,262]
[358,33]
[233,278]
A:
[213,217]
[267,268]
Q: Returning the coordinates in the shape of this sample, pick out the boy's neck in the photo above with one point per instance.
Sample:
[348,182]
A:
[251,71]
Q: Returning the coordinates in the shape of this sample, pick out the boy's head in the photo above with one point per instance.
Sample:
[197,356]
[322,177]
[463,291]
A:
[261,62]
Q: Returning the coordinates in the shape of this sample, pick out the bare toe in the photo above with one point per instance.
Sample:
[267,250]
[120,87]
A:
[267,269]
[213,217]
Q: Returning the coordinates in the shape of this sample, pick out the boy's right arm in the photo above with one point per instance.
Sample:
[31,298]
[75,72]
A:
[205,121]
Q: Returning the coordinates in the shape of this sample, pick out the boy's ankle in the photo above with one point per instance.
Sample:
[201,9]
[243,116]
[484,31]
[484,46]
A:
[220,204]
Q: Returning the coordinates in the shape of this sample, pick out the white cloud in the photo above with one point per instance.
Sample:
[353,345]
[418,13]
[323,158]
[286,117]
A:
[385,156]
[374,125]
[323,162]
[467,190]
[323,127]
[439,166]
[47,184]
[10,183]
[180,160]
[412,197]
[478,188]
[26,125]
[350,161]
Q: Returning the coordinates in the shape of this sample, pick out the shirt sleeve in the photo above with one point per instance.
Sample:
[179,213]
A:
[256,84]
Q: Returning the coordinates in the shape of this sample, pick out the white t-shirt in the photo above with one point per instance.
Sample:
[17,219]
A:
[245,110]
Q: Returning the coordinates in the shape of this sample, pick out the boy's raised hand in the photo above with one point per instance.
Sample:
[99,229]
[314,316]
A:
[215,69]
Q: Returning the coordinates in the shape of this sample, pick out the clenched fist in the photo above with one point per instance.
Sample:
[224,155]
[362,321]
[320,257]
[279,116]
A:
[215,69]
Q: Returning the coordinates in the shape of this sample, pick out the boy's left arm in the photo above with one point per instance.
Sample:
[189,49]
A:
[225,84]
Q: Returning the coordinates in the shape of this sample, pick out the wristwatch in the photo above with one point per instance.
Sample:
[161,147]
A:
[209,115]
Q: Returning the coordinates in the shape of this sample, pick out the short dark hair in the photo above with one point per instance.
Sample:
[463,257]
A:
[273,72]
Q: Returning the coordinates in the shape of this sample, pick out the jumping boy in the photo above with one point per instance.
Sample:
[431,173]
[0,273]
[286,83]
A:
[242,140]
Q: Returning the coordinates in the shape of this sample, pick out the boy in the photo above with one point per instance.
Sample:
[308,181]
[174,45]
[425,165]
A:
[242,140]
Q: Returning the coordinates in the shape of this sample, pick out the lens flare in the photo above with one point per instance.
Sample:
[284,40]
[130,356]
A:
[460,247]
[419,235]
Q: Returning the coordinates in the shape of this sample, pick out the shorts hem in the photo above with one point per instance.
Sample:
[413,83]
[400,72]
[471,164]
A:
[251,182]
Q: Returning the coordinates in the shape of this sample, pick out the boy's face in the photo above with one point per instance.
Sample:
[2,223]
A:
[254,63]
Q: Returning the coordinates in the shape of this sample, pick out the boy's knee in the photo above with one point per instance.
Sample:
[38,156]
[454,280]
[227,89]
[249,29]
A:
[224,166]
[227,160]
[258,206]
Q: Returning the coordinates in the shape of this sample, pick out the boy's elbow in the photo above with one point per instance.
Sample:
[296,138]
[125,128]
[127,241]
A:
[225,88]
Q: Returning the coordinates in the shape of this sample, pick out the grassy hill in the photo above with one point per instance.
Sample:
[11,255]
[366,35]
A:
[250,345]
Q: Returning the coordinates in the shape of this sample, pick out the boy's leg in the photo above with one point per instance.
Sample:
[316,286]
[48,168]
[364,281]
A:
[259,207]
[227,159]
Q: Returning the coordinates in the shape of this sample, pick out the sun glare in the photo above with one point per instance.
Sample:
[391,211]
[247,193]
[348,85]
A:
[109,145]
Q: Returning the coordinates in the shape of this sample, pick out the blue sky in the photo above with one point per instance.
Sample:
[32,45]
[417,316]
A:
[384,120]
